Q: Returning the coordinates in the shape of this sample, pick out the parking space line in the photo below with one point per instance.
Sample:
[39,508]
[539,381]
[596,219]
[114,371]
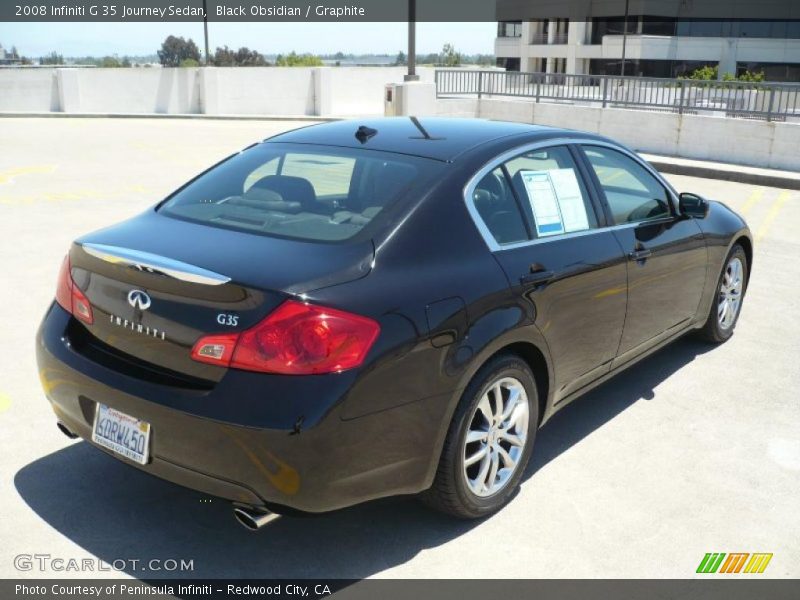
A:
[9,175]
[754,199]
[771,215]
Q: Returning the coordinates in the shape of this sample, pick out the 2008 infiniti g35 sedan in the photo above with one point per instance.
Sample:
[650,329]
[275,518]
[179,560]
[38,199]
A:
[362,309]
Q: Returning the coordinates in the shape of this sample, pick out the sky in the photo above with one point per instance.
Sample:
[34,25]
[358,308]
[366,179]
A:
[101,39]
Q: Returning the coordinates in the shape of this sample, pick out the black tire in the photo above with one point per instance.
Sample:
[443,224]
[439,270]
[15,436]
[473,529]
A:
[450,492]
[712,331]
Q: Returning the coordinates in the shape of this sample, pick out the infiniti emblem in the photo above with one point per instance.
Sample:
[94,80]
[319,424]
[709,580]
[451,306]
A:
[139,299]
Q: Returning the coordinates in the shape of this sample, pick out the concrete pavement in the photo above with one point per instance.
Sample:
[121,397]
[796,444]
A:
[696,450]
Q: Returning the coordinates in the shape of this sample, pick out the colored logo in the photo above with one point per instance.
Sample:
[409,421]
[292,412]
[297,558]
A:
[734,562]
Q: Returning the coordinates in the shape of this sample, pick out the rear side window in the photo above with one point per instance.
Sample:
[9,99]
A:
[301,191]
[498,209]
[552,191]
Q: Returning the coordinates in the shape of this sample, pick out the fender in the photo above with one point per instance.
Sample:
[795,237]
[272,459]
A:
[489,342]
[722,228]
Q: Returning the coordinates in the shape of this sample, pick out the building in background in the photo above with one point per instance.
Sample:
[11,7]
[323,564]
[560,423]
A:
[655,46]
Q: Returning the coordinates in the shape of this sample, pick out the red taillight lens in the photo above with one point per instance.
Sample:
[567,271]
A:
[69,295]
[295,339]
[64,289]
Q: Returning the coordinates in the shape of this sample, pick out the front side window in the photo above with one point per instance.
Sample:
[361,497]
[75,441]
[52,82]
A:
[551,191]
[306,192]
[632,193]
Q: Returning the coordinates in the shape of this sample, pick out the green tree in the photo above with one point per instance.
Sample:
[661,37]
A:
[705,73]
[752,77]
[401,59]
[224,57]
[176,52]
[110,62]
[189,62]
[52,59]
[250,58]
[450,57]
[298,60]
[243,57]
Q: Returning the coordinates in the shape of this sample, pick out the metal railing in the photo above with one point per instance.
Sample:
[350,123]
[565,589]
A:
[763,101]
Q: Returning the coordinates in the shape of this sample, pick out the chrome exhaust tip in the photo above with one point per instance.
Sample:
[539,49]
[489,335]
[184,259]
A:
[253,519]
[66,430]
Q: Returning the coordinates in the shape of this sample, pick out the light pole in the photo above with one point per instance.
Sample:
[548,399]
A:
[412,42]
[205,28]
[624,37]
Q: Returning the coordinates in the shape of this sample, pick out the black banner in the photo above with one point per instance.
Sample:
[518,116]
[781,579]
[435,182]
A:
[387,10]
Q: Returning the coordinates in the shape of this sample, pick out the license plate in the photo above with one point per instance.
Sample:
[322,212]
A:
[121,433]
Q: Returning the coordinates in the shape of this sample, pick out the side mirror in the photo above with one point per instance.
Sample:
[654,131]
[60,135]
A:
[692,205]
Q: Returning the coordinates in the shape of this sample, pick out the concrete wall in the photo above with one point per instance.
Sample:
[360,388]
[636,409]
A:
[258,91]
[162,91]
[738,141]
[293,91]
[28,90]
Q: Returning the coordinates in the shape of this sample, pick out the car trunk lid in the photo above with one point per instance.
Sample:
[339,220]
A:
[157,284]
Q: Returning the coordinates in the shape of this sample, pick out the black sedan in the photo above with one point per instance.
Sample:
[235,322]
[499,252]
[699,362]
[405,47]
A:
[361,309]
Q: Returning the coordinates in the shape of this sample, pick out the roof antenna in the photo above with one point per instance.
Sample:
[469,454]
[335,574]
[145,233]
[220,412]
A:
[364,134]
[423,131]
[419,126]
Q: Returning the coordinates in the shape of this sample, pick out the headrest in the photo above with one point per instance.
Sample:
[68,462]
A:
[290,189]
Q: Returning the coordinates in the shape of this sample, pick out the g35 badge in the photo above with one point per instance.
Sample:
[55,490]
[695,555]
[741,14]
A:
[228,319]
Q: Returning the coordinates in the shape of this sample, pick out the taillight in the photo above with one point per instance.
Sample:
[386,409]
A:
[70,296]
[295,339]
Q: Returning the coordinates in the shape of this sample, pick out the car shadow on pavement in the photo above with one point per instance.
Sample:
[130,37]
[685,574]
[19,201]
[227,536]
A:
[116,512]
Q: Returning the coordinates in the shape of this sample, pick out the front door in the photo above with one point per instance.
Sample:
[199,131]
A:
[666,252]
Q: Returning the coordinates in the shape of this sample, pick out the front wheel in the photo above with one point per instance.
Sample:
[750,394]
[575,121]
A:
[489,442]
[727,303]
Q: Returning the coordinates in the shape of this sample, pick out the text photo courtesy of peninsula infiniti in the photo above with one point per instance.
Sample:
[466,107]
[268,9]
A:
[362,309]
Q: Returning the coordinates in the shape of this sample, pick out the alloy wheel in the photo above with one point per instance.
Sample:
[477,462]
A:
[495,441]
[730,293]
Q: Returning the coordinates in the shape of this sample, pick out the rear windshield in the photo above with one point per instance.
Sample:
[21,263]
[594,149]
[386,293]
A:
[307,192]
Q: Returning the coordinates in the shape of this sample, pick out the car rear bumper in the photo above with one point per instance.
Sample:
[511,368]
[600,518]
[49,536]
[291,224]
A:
[239,440]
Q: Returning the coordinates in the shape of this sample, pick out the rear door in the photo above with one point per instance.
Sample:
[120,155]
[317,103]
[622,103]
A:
[539,217]
[666,252]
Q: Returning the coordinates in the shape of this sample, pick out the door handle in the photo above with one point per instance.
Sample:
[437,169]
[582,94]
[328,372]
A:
[539,277]
[640,254]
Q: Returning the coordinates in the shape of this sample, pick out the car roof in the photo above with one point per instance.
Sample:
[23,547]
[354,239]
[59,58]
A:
[428,137]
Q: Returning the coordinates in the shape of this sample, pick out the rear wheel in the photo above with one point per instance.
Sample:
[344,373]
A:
[489,442]
[727,303]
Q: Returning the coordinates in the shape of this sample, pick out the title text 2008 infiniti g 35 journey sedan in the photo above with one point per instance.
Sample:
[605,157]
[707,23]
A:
[356,310]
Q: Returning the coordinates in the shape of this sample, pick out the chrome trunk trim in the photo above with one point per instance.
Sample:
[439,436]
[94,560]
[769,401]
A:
[153,263]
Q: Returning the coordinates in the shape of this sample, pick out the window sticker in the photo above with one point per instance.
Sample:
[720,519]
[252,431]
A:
[544,202]
[556,200]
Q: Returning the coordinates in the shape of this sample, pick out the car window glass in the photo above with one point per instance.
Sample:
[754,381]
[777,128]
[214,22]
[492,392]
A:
[268,168]
[498,209]
[329,175]
[633,194]
[551,191]
[312,192]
